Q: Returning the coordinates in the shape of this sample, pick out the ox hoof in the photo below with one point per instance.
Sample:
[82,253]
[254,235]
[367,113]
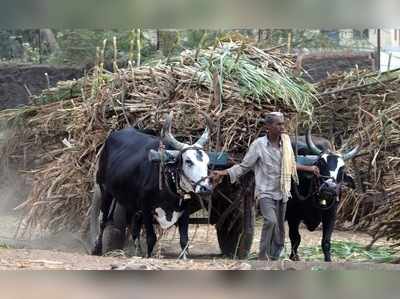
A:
[294,257]
[184,255]
[97,248]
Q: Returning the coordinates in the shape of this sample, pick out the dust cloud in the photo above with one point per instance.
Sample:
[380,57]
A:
[13,189]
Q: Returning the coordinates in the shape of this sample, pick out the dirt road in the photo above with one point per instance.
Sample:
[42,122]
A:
[65,251]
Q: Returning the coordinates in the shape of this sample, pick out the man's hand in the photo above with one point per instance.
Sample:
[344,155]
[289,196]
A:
[217,176]
[315,170]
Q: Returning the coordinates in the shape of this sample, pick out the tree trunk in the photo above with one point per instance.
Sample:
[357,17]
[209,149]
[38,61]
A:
[168,41]
[47,36]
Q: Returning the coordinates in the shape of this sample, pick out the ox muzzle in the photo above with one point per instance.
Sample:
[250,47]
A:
[328,193]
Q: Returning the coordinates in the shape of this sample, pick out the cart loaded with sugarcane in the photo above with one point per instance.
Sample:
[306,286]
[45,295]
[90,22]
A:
[60,137]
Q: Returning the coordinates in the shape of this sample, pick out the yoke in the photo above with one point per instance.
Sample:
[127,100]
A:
[307,160]
[218,159]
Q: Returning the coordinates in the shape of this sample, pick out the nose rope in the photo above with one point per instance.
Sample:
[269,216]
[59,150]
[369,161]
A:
[337,190]
[201,180]
[193,183]
[326,177]
[318,188]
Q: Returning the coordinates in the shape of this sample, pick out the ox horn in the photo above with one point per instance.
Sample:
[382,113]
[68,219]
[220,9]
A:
[167,135]
[311,144]
[204,137]
[351,154]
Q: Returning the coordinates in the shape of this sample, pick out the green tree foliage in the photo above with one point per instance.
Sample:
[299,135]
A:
[19,45]
[78,46]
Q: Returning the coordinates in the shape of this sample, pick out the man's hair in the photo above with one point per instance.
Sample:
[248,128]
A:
[272,116]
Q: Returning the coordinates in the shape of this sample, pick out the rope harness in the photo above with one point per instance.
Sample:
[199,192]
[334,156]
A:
[317,189]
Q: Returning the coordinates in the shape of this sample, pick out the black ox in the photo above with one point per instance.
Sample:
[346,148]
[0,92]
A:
[315,200]
[129,183]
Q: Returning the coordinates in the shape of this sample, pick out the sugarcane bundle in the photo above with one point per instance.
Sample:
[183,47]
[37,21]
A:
[368,104]
[349,100]
[381,166]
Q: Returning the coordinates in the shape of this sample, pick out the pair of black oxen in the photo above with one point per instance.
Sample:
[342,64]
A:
[139,180]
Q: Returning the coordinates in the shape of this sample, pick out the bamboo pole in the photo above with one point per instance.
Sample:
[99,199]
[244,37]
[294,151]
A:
[139,47]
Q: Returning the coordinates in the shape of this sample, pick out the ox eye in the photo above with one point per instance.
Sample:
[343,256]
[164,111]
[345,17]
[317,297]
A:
[189,163]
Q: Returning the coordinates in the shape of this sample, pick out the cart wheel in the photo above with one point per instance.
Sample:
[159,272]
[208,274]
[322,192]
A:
[234,216]
[235,240]
[115,231]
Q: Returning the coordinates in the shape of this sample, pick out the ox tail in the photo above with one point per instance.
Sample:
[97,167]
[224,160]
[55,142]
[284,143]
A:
[101,164]
[94,223]
[94,213]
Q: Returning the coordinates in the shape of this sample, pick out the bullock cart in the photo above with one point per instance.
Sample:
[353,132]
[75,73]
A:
[235,84]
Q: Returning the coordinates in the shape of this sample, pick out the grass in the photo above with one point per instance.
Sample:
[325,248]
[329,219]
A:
[349,251]
[343,251]
[4,246]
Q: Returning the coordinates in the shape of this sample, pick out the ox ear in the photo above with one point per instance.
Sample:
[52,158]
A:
[349,181]
[167,156]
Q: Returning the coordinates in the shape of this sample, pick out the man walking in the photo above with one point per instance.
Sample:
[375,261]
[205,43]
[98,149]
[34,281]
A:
[272,159]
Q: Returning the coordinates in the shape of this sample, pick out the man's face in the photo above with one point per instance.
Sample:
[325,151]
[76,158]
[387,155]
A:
[277,127]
